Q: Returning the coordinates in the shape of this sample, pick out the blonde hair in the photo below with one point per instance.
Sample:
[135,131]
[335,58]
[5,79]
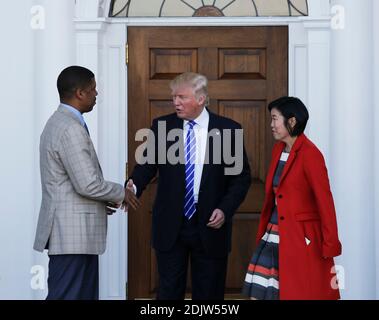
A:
[197,81]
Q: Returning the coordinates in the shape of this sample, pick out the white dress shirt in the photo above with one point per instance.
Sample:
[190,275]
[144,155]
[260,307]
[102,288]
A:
[201,134]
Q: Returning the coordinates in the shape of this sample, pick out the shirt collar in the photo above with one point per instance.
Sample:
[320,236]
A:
[202,120]
[76,112]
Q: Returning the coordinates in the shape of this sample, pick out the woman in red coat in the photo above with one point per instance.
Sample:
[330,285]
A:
[297,235]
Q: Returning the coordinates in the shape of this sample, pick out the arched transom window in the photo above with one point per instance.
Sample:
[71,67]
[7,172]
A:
[208,8]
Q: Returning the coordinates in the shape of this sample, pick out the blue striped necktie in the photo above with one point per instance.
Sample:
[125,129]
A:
[190,155]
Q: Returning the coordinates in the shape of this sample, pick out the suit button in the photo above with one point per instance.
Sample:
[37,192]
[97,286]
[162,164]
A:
[280,196]
[281,218]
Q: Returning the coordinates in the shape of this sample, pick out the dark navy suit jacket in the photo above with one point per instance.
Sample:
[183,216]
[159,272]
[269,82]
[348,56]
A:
[217,190]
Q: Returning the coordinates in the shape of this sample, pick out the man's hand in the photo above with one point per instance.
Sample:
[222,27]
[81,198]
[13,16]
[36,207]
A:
[111,208]
[130,197]
[217,219]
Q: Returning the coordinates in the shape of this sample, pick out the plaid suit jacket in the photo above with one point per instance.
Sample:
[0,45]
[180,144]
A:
[72,218]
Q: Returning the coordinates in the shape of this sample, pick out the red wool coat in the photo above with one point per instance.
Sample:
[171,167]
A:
[305,210]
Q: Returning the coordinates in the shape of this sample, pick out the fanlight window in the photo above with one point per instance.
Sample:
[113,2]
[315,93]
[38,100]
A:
[210,8]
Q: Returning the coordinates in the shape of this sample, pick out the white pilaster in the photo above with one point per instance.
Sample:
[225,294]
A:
[298,62]
[88,51]
[112,114]
[375,28]
[351,146]
[318,84]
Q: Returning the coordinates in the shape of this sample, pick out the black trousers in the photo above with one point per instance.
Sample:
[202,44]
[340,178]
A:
[208,274]
[73,277]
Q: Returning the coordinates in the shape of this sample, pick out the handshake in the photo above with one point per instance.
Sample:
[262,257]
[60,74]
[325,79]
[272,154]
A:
[129,199]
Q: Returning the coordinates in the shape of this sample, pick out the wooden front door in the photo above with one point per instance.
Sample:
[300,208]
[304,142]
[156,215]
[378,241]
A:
[246,68]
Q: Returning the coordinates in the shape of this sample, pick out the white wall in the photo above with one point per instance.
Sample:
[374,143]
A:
[17,146]
[375,38]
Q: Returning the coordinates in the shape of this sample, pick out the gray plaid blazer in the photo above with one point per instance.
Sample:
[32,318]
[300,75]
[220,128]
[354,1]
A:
[72,218]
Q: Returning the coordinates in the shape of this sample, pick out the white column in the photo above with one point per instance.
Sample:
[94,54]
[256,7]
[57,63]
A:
[318,83]
[89,30]
[375,28]
[54,51]
[351,170]
[88,50]
[298,61]
[113,154]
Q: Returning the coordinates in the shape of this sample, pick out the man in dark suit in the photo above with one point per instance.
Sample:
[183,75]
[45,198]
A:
[197,196]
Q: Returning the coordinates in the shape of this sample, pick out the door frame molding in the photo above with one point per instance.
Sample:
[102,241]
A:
[100,45]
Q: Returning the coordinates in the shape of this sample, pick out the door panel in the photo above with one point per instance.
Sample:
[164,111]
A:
[246,68]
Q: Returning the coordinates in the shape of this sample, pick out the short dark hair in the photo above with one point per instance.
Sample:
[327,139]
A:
[291,107]
[73,78]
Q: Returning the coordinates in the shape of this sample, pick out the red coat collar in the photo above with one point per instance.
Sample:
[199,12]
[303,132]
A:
[297,145]
[276,156]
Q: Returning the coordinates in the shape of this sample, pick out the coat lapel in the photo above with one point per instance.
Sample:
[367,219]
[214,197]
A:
[292,157]
[209,150]
[177,123]
[274,162]
[287,166]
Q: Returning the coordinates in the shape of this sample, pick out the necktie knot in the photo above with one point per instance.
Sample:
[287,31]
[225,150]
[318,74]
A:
[191,124]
